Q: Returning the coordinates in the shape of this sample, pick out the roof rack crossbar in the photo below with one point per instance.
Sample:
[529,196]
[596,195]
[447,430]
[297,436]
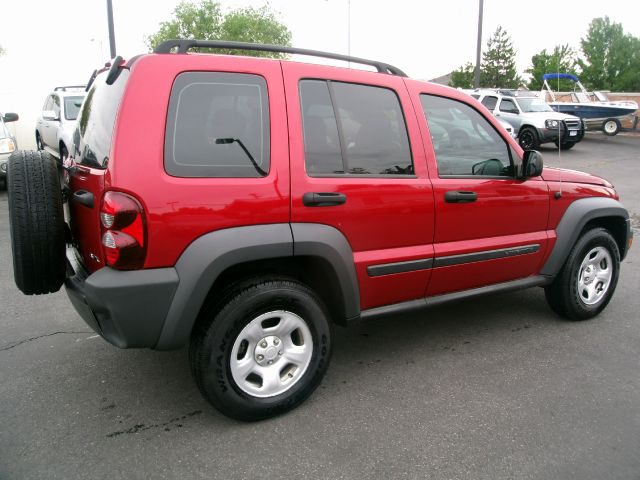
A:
[65,87]
[183,46]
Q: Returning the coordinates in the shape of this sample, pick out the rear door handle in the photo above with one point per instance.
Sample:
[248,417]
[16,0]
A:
[83,198]
[455,196]
[323,199]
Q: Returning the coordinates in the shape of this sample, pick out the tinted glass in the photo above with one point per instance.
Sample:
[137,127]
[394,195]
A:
[465,143]
[508,105]
[72,107]
[353,129]
[96,119]
[490,102]
[56,105]
[321,140]
[218,126]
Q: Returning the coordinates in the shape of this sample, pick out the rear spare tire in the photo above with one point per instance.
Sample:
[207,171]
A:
[37,222]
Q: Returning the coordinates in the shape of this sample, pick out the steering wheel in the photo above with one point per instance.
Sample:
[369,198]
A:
[492,167]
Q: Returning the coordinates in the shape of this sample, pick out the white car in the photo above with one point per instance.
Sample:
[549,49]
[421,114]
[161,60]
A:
[7,145]
[55,125]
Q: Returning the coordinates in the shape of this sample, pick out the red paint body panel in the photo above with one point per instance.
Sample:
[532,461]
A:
[179,210]
[381,215]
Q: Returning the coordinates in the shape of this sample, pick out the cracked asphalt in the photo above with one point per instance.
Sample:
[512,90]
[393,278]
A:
[495,388]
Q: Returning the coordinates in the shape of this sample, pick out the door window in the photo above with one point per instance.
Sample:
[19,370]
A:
[508,106]
[353,129]
[490,102]
[56,105]
[465,143]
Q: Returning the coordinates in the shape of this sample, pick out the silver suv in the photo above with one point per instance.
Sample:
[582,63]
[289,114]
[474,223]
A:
[7,145]
[533,120]
[55,125]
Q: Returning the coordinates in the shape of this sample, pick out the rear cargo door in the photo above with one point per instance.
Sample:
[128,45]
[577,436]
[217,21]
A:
[89,159]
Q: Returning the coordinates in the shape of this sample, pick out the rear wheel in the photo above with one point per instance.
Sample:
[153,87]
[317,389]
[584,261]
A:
[586,283]
[263,350]
[37,222]
[528,139]
[611,127]
[39,144]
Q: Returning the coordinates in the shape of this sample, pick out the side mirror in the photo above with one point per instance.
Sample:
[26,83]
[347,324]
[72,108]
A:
[10,117]
[50,115]
[531,164]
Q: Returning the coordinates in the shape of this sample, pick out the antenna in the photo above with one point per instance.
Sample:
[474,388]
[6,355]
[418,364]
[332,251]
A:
[558,195]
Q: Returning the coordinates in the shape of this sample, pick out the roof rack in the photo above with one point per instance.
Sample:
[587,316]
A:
[183,46]
[69,87]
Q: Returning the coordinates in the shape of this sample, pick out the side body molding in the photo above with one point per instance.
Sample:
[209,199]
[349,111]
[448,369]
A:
[205,259]
[577,215]
[315,240]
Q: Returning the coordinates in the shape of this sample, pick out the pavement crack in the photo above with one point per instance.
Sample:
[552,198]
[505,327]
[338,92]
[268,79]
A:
[27,340]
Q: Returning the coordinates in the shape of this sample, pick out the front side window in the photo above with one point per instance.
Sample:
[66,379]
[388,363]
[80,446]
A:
[465,143]
[508,106]
[218,126]
[353,129]
[56,105]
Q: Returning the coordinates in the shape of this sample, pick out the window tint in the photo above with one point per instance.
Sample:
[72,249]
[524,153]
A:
[490,102]
[72,107]
[507,105]
[353,129]
[475,95]
[218,126]
[96,120]
[56,105]
[465,143]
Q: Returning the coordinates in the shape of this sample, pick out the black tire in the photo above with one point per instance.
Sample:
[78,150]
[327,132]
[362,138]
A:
[563,295]
[564,145]
[3,183]
[528,138]
[611,127]
[39,144]
[221,324]
[37,222]
[64,153]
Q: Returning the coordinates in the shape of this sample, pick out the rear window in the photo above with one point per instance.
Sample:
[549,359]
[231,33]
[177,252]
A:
[96,120]
[217,126]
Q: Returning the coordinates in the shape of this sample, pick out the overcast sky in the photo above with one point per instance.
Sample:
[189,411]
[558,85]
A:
[50,42]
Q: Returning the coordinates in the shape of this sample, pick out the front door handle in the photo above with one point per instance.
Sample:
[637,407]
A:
[323,199]
[83,198]
[455,196]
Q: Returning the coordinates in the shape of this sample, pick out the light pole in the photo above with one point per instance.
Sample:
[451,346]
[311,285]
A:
[112,36]
[476,76]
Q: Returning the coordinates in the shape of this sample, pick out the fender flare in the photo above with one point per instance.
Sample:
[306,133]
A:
[210,255]
[577,215]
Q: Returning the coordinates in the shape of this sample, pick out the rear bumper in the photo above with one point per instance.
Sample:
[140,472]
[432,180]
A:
[128,309]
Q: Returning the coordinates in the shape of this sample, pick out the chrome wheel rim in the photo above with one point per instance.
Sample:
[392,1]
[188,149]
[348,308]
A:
[594,277]
[271,354]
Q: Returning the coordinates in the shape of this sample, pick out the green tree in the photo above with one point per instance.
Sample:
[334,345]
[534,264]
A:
[499,62]
[610,58]
[562,60]
[463,76]
[206,21]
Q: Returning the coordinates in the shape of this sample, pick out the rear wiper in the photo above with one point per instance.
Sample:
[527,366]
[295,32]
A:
[226,141]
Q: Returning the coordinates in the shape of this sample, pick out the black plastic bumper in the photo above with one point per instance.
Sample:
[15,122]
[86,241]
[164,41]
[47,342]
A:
[564,134]
[128,309]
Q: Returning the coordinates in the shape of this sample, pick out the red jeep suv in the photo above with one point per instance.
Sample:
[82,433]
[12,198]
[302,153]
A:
[242,205]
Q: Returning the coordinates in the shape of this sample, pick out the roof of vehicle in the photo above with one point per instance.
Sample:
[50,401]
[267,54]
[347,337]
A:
[506,92]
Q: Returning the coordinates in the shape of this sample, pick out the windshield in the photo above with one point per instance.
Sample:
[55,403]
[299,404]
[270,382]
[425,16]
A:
[72,107]
[533,105]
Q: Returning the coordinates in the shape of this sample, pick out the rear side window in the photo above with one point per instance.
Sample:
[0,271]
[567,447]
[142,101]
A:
[96,121]
[490,102]
[218,126]
[72,107]
[353,129]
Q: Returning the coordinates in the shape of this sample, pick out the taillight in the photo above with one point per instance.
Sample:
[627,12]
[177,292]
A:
[124,241]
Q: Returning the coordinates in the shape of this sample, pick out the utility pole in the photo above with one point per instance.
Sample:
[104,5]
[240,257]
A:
[112,36]
[476,77]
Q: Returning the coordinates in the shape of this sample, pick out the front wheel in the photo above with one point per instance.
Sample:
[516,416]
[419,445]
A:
[528,139]
[586,283]
[263,350]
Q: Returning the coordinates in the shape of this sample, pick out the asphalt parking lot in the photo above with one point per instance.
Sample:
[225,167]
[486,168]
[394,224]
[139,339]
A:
[492,388]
